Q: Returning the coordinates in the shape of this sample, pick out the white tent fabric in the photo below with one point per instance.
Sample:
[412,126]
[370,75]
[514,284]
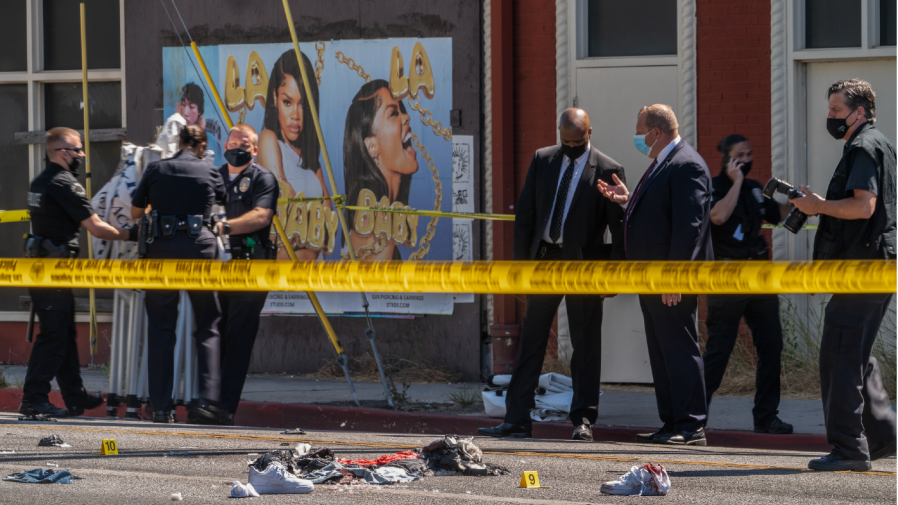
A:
[555,405]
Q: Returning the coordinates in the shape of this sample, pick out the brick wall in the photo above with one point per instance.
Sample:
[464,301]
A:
[534,78]
[734,78]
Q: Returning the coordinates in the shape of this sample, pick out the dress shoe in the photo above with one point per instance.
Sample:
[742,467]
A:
[882,451]
[89,402]
[507,430]
[205,413]
[833,462]
[163,416]
[696,437]
[47,409]
[583,432]
[775,427]
[655,437]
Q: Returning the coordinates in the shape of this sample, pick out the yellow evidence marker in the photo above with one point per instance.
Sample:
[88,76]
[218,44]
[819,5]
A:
[530,479]
[108,448]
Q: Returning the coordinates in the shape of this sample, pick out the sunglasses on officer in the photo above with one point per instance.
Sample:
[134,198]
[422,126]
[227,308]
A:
[73,149]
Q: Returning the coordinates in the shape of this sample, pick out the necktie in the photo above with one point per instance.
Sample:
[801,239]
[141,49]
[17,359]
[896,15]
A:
[632,204]
[560,201]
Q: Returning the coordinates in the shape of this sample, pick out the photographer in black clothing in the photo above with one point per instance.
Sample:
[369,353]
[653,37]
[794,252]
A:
[252,202]
[181,192]
[857,221]
[738,208]
[59,206]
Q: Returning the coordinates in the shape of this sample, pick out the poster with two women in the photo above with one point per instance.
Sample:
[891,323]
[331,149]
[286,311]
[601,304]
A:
[384,112]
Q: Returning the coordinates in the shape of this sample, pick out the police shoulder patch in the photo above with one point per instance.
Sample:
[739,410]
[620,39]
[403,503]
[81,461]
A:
[78,189]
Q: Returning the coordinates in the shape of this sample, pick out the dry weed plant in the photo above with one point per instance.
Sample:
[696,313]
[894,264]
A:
[800,376]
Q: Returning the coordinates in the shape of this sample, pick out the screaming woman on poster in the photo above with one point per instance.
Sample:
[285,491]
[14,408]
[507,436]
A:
[288,144]
[378,156]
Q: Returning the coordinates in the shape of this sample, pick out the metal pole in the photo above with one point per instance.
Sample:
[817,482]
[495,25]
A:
[369,332]
[90,248]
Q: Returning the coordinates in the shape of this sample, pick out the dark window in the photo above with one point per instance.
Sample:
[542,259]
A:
[14,37]
[632,27]
[887,28]
[832,23]
[14,180]
[63,105]
[62,34]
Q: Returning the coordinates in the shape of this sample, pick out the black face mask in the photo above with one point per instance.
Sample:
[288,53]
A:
[238,157]
[746,167]
[75,165]
[837,127]
[573,152]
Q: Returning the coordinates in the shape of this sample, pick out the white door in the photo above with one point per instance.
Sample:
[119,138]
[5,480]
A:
[612,97]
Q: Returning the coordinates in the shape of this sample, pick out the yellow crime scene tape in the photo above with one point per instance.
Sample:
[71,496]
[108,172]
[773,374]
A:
[14,216]
[497,277]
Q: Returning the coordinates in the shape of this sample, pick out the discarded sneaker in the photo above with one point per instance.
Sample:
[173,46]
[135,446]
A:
[276,479]
[239,490]
[645,480]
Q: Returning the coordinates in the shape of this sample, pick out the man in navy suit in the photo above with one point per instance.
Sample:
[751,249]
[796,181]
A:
[667,219]
[561,217]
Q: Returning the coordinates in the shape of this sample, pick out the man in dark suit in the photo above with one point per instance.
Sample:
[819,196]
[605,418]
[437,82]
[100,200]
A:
[667,219]
[562,217]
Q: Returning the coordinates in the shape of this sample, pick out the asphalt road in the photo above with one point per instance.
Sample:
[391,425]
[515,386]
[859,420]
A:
[144,473]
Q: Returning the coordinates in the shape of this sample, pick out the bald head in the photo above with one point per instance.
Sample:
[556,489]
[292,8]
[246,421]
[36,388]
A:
[573,124]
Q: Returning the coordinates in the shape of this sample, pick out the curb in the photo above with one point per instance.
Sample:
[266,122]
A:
[324,417]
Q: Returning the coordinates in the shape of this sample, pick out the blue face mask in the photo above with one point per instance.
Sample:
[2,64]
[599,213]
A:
[641,146]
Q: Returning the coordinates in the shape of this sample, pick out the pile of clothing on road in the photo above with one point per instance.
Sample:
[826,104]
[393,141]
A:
[298,470]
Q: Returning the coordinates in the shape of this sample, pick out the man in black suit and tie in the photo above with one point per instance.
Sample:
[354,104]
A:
[562,217]
[667,219]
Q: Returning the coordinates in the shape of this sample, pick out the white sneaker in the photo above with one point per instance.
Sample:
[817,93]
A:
[645,480]
[238,490]
[275,479]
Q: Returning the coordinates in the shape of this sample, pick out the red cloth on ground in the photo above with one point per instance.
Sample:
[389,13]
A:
[383,460]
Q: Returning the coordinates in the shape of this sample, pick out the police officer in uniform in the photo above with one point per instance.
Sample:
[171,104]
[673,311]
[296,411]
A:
[180,192]
[738,209]
[251,205]
[857,222]
[59,207]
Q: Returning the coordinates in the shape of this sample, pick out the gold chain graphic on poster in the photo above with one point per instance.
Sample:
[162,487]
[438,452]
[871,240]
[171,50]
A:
[319,63]
[381,241]
[427,119]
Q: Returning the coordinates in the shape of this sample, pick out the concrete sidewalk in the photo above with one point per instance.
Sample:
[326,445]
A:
[617,408]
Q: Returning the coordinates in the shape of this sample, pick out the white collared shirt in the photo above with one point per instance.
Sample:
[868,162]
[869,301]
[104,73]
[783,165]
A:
[579,165]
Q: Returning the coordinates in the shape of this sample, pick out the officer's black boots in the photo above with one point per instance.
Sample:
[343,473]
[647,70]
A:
[46,409]
[91,401]
[163,416]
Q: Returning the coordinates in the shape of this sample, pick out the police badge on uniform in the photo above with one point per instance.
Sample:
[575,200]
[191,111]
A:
[244,184]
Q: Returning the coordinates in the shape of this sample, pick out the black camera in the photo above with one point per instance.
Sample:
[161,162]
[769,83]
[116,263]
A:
[796,219]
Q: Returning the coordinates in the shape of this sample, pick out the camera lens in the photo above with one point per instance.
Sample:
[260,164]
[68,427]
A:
[795,220]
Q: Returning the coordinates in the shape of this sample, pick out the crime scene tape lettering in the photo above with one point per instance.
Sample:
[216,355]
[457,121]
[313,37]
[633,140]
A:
[498,277]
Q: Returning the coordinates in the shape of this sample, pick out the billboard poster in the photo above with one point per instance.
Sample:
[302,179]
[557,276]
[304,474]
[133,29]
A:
[384,109]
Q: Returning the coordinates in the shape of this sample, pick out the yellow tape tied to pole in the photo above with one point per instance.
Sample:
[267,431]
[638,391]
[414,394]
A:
[14,216]
[498,277]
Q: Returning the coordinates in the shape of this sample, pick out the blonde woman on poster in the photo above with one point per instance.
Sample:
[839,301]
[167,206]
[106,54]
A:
[378,162]
[288,144]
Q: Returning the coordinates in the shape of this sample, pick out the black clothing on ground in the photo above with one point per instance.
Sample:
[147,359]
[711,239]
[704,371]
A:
[238,327]
[868,163]
[672,337]
[58,204]
[739,237]
[761,313]
[182,185]
[253,187]
[856,408]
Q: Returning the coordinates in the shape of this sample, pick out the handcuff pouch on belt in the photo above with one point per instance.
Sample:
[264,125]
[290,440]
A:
[169,225]
[40,247]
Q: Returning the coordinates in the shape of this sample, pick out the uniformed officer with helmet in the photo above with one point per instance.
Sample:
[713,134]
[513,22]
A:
[251,205]
[857,222]
[180,191]
[59,207]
